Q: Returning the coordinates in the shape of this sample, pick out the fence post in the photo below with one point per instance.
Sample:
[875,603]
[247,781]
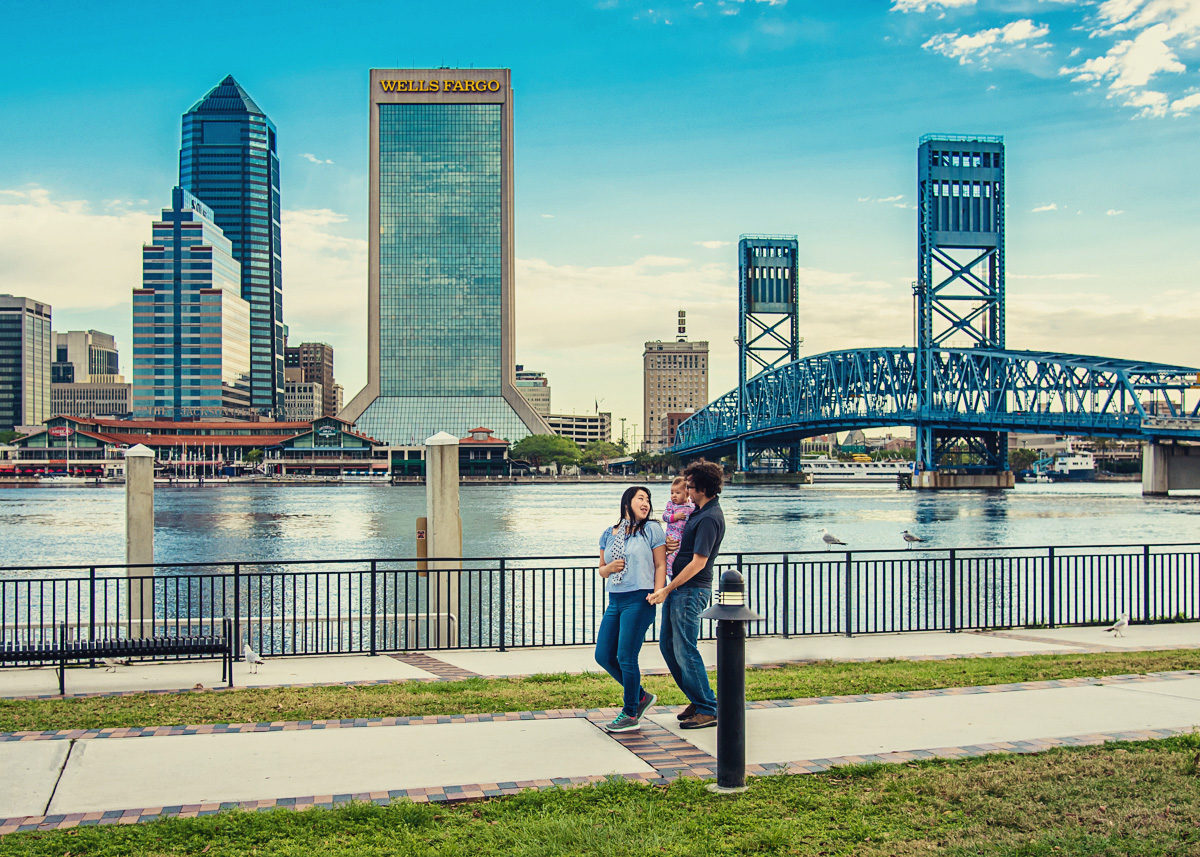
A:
[237,609]
[1052,589]
[953,593]
[92,606]
[1146,600]
[786,592]
[373,568]
[847,589]
[503,604]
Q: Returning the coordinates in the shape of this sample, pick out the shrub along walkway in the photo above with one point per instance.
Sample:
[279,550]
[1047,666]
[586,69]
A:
[67,778]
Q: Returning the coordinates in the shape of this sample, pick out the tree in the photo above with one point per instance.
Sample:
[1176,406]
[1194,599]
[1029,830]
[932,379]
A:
[253,457]
[1023,459]
[8,436]
[541,449]
[598,450]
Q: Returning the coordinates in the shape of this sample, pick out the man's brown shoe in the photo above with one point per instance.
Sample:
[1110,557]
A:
[699,721]
[686,713]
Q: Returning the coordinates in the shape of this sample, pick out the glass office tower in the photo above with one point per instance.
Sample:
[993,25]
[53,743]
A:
[228,162]
[25,358]
[440,299]
[191,329]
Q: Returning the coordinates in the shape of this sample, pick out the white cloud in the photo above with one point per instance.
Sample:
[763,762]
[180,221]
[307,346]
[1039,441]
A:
[1064,276]
[985,44]
[313,159]
[712,245]
[895,198]
[926,5]
[1113,212]
[1146,38]
[547,216]
[1132,62]
[103,266]
[1185,105]
[325,289]
[1050,206]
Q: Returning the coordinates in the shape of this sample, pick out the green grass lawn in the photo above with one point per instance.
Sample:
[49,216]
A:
[1127,799]
[825,678]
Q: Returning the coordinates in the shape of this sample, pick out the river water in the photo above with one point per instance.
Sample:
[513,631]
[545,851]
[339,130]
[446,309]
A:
[86,525]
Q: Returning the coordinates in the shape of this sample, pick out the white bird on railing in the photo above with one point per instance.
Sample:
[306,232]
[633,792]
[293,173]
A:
[1118,628]
[910,538]
[111,664]
[252,657]
[830,539]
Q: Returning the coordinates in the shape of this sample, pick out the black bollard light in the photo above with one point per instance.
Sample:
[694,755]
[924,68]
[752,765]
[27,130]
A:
[731,614]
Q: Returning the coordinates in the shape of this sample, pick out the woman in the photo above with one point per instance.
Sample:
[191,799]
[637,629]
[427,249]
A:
[633,563]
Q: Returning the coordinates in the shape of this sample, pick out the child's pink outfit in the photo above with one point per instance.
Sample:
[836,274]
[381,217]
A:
[675,517]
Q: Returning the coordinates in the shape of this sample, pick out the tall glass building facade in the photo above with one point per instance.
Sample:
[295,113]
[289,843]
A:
[228,162]
[25,359]
[191,328]
[440,300]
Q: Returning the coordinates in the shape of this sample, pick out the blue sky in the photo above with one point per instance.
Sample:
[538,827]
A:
[648,139]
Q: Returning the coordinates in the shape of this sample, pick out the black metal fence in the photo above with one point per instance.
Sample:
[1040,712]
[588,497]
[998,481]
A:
[384,605]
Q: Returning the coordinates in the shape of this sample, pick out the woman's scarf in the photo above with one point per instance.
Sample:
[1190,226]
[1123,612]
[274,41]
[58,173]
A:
[617,549]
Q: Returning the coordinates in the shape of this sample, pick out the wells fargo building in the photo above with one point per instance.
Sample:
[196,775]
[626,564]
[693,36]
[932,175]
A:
[440,294]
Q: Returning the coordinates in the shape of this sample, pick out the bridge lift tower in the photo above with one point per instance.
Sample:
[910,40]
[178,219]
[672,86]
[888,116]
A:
[960,284]
[768,327]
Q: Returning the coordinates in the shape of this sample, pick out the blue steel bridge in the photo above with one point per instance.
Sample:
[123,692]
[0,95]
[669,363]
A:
[961,387]
[971,390]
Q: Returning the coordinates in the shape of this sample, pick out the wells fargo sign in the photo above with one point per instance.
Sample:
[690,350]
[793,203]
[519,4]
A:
[440,85]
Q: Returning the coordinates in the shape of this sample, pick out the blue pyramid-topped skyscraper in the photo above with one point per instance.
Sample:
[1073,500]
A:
[227,160]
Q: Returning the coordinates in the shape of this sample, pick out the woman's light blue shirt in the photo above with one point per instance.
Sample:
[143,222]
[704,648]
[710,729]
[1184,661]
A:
[639,558]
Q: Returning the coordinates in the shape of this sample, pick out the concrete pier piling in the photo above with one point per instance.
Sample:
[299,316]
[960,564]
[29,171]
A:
[139,538]
[444,539]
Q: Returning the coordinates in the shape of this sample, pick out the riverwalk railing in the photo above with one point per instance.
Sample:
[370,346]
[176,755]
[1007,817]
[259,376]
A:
[308,607]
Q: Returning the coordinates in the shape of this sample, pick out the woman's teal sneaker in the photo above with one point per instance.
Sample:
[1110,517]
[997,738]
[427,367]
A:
[623,723]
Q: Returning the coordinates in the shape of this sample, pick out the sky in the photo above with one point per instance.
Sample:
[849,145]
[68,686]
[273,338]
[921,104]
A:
[648,138]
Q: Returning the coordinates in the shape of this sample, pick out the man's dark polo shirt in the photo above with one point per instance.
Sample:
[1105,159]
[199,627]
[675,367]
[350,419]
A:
[702,535]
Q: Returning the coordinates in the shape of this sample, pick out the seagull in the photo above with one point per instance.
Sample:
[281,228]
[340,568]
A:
[1118,628]
[111,664]
[252,657]
[830,539]
[910,538]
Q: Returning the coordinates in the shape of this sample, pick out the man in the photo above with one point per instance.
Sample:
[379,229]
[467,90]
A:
[689,592]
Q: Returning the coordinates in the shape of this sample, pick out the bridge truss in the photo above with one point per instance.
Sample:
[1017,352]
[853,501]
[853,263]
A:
[971,392]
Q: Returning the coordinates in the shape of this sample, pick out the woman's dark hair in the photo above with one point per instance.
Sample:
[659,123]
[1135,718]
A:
[635,526]
[706,476]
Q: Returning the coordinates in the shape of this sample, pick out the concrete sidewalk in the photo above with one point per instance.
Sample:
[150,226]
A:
[456,664]
[63,779]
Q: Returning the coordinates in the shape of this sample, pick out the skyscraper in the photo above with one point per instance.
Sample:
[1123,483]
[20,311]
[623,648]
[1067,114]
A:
[440,273]
[228,162]
[25,358]
[191,329]
[84,376]
[315,362]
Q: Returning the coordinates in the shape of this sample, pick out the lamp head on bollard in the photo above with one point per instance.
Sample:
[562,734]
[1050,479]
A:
[731,601]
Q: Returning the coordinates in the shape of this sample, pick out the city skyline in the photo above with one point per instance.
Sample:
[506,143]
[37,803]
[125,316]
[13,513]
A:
[646,143]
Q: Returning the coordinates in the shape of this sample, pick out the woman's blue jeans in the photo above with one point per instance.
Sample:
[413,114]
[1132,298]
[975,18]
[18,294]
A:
[677,641]
[619,642]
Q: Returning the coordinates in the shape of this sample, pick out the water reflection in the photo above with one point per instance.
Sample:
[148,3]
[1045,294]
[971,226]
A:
[263,522]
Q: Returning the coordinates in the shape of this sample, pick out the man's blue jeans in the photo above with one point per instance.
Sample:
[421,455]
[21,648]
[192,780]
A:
[619,642]
[677,641]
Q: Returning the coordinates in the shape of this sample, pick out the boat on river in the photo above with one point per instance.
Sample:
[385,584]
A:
[827,471]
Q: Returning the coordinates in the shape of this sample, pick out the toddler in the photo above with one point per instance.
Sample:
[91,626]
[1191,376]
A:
[679,508]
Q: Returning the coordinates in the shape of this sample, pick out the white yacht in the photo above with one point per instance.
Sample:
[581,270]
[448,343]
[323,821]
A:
[828,470]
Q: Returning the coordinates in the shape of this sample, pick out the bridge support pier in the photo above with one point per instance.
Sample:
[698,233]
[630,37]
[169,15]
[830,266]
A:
[938,480]
[1169,466]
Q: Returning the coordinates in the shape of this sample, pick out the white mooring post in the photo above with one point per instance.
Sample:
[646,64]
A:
[139,537]
[440,628]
